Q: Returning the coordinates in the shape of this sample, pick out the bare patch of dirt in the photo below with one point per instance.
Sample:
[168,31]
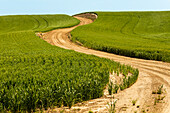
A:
[91,16]
[152,74]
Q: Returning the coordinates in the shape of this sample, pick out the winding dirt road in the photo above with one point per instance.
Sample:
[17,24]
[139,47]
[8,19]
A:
[152,75]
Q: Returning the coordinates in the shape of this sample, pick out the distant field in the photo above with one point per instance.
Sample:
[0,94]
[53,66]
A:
[135,34]
[35,74]
[17,33]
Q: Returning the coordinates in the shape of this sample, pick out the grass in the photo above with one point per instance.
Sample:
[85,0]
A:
[41,23]
[158,99]
[126,83]
[159,90]
[112,105]
[36,75]
[113,88]
[143,35]
[134,102]
[110,88]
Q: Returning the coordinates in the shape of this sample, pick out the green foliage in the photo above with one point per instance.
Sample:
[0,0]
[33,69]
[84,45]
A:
[159,90]
[135,34]
[134,102]
[110,88]
[112,106]
[36,75]
[115,88]
[23,23]
[39,82]
[127,82]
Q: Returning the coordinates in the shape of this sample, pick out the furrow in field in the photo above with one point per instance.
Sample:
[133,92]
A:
[37,21]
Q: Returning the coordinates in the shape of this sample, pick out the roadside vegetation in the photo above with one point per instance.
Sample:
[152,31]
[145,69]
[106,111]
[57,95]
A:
[112,105]
[36,75]
[143,35]
[125,82]
[159,94]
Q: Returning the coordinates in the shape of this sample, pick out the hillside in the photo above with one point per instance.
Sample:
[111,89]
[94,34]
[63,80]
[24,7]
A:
[135,34]
[36,75]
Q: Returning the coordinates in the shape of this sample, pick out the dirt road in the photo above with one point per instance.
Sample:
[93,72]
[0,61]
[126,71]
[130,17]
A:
[152,75]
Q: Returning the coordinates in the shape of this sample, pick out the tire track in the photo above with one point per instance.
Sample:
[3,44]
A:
[152,74]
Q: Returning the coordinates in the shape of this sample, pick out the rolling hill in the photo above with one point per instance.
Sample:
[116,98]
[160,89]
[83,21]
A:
[143,35]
